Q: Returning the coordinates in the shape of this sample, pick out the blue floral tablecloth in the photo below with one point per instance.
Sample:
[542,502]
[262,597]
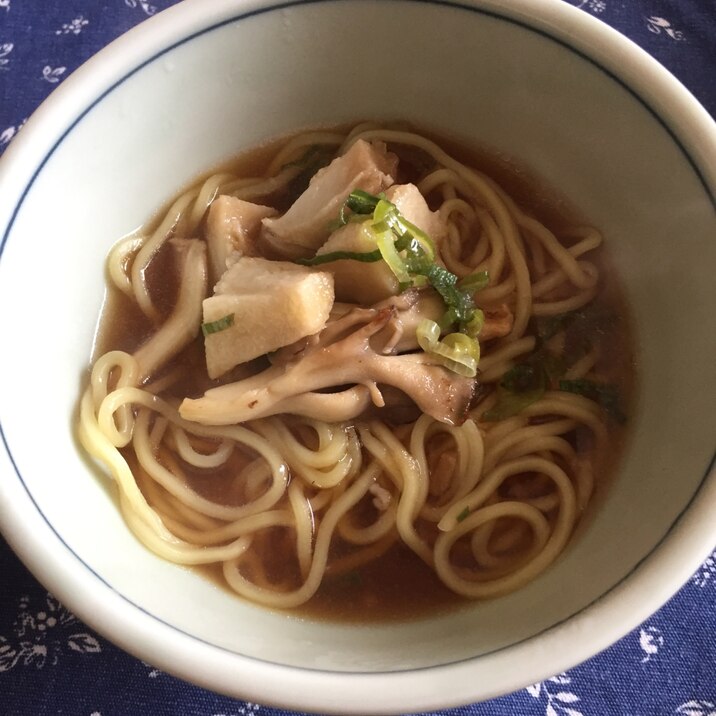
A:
[51,663]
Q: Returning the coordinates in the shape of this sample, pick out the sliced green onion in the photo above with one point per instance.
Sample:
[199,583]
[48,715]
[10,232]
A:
[428,333]
[475,324]
[386,246]
[458,352]
[410,255]
[463,514]
[365,257]
[416,260]
[474,282]
[447,320]
[387,213]
[458,362]
[220,324]
[383,208]
[464,344]
[426,243]
[361,202]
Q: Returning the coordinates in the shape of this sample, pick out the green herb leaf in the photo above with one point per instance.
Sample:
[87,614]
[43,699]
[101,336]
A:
[314,158]
[527,382]
[605,394]
[524,378]
[509,404]
[521,386]
[219,325]
[554,368]
[312,154]
[550,327]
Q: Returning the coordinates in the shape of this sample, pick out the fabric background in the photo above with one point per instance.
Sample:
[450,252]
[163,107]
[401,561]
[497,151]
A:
[50,663]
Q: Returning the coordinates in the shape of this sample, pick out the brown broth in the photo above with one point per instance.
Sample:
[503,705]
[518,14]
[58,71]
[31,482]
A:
[397,585]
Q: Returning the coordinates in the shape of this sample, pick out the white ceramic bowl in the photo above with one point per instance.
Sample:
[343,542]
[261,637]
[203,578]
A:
[544,83]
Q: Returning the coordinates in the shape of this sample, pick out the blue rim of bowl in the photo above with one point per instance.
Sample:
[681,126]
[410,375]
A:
[281,6]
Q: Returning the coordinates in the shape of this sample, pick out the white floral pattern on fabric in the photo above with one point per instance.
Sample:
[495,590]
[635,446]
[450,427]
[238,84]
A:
[53,75]
[152,673]
[9,133]
[143,4]
[696,708]
[558,702]
[74,27]
[596,6]
[706,573]
[5,4]
[248,709]
[657,25]
[5,50]
[42,636]
[650,640]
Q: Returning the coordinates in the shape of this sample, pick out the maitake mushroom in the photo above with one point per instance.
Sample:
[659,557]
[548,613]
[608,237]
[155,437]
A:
[342,356]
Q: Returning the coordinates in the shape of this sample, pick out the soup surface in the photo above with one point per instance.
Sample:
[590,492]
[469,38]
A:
[361,373]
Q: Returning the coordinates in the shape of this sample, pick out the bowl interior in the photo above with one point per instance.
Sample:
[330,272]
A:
[256,75]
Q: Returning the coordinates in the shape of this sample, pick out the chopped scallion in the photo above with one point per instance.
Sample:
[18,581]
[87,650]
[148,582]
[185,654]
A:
[474,282]
[361,202]
[220,324]
[365,257]
[389,252]
[463,514]
[410,254]
[456,351]
[386,213]
[475,324]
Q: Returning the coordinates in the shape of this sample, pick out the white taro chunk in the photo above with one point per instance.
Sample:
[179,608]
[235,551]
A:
[369,283]
[273,303]
[356,281]
[232,229]
[306,224]
[412,205]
